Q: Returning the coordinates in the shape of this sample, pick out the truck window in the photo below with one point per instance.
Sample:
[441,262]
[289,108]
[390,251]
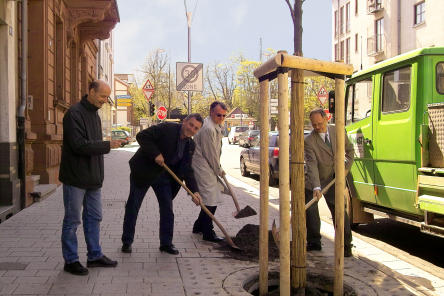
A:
[440,77]
[359,100]
[396,90]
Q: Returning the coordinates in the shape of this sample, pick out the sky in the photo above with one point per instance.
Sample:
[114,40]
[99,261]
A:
[220,29]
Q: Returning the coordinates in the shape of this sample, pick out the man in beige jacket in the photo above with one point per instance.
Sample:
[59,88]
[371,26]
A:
[319,150]
[206,166]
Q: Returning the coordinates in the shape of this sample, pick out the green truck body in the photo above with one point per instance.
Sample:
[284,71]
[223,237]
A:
[395,120]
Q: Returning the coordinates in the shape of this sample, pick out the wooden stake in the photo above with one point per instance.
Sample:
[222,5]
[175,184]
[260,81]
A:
[298,230]
[263,213]
[284,183]
[340,185]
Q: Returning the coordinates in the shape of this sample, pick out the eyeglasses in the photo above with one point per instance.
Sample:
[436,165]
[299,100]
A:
[220,115]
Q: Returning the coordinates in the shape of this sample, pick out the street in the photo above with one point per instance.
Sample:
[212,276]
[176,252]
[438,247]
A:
[399,239]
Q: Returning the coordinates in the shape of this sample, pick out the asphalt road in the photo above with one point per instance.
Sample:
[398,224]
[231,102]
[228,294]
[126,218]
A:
[399,239]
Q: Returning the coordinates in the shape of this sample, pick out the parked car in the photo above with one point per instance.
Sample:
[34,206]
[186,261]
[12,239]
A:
[248,137]
[121,135]
[233,136]
[250,157]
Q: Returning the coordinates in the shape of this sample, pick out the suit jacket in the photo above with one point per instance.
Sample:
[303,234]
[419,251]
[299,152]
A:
[157,139]
[320,158]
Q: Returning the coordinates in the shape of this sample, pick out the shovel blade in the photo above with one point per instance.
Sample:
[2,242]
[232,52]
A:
[245,212]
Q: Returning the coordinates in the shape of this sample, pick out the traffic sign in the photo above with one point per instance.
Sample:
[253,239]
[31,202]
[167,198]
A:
[123,96]
[148,93]
[328,114]
[161,113]
[148,89]
[124,100]
[189,76]
[123,104]
[322,95]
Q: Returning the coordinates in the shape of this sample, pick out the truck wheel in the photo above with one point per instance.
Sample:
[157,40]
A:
[271,180]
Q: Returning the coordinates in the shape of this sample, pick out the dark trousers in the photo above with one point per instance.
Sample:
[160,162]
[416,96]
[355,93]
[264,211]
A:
[204,222]
[313,220]
[166,190]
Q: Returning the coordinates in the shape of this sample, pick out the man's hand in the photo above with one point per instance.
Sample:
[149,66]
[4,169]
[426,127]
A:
[159,160]
[115,144]
[317,194]
[197,199]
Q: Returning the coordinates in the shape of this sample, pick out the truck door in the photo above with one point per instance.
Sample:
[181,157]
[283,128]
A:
[360,132]
[394,139]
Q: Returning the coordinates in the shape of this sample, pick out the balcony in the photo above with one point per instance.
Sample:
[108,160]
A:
[376,45]
[374,6]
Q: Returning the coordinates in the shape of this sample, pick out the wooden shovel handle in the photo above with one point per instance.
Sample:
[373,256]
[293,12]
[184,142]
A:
[308,204]
[204,208]
[236,204]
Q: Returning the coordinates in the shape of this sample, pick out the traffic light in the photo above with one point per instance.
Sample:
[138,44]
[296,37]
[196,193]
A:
[331,101]
[152,109]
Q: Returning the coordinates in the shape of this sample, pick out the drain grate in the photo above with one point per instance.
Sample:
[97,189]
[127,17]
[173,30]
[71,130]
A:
[13,266]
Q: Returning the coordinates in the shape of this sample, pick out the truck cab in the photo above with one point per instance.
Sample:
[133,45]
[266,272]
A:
[395,120]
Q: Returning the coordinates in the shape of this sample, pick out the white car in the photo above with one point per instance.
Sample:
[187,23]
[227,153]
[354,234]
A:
[233,136]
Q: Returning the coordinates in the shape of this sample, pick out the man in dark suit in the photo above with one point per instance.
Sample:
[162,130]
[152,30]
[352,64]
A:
[165,143]
[319,150]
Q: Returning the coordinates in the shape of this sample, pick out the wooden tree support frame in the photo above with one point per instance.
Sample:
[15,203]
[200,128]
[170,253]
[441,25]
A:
[278,67]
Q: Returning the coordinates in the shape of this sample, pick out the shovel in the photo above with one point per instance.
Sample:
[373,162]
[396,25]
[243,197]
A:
[275,231]
[246,211]
[204,208]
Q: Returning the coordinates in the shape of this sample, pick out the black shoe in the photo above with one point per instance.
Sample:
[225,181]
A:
[171,249]
[102,262]
[75,268]
[212,237]
[313,247]
[348,252]
[126,248]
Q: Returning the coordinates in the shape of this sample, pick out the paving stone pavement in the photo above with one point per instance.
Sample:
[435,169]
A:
[31,261]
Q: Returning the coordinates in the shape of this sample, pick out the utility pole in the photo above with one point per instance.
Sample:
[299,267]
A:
[189,55]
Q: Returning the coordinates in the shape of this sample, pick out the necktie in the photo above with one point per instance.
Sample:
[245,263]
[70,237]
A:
[327,141]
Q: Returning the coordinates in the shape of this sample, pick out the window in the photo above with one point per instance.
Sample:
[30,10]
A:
[356,7]
[341,21]
[419,13]
[396,90]
[341,57]
[336,23]
[356,43]
[359,100]
[336,52]
[378,4]
[440,77]
[347,51]
[379,33]
[347,17]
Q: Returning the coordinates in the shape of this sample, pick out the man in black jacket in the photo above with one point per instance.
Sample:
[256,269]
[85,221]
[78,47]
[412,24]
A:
[81,172]
[165,143]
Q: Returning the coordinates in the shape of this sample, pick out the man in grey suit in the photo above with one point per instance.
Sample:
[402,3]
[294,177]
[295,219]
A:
[319,150]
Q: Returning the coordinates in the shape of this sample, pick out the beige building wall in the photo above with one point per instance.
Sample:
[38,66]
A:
[9,98]
[105,65]
[399,34]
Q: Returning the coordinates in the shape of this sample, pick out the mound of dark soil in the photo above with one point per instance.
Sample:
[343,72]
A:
[247,239]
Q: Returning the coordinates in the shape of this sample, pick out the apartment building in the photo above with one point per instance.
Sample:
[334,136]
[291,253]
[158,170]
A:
[369,31]
[105,72]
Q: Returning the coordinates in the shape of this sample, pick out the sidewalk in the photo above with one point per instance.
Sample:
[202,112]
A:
[31,262]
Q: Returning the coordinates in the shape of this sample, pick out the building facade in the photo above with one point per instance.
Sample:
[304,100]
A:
[105,72]
[370,31]
[49,55]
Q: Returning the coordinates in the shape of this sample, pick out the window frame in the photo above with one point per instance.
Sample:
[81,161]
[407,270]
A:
[421,13]
[437,77]
[408,66]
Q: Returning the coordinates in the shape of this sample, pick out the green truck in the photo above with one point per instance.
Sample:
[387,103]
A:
[395,120]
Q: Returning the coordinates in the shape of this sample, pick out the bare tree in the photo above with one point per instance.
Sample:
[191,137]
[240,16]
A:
[220,79]
[156,70]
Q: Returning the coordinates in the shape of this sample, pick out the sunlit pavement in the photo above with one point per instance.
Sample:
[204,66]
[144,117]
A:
[31,261]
